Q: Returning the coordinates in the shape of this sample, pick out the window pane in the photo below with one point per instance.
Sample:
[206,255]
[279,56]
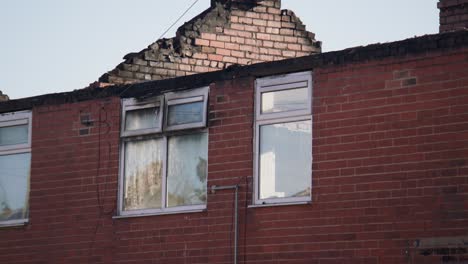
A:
[185,113]
[142,118]
[143,174]
[285,160]
[187,170]
[12,135]
[14,186]
[285,100]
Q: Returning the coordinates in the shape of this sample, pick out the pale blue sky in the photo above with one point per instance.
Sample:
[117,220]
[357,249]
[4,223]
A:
[50,46]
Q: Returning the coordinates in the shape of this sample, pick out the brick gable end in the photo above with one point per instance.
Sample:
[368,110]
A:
[227,33]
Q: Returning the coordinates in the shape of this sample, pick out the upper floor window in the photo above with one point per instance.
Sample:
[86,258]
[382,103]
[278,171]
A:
[164,154]
[15,164]
[283,141]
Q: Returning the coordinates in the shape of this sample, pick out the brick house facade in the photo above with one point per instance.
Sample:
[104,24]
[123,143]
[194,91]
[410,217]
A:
[389,181]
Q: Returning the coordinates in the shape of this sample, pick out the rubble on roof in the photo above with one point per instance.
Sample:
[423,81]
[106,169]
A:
[237,32]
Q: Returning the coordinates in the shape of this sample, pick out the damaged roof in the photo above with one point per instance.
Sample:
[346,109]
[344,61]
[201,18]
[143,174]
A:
[413,46]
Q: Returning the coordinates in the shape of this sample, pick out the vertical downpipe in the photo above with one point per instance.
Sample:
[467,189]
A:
[215,188]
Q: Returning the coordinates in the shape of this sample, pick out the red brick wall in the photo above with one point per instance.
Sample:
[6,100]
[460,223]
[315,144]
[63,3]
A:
[67,224]
[390,167]
[390,160]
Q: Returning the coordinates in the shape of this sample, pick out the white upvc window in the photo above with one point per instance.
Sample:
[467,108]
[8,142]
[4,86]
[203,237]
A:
[164,154]
[283,139]
[15,166]
[186,109]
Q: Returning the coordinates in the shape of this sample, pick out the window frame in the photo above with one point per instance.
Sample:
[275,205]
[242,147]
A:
[130,104]
[271,84]
[184,97]
[14,119]
[164,133]
[277,83]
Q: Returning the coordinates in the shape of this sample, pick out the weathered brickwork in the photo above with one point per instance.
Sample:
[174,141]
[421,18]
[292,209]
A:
[453,14]
[229,32]
[390,174]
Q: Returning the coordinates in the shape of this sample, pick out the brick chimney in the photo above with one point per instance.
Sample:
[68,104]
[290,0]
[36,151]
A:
[229,32]
[453,15]
[3,97]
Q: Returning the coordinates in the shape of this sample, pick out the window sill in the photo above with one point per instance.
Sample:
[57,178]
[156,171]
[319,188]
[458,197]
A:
[278,204]
[159,213]
[14,223]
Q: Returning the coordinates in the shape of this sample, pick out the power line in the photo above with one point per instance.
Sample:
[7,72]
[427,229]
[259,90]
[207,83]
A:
[162,35]
[183,14]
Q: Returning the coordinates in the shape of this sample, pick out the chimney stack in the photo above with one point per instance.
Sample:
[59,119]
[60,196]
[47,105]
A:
[453,15]
[3,97]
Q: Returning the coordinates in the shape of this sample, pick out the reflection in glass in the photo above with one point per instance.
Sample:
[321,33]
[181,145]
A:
[14,186]
[12,135]
[142,118]
[185,113]
[143,174]
[187,170]
[285,160]
[284,100]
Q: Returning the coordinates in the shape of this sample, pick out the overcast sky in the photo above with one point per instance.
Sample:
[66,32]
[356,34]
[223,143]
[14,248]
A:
[51,46]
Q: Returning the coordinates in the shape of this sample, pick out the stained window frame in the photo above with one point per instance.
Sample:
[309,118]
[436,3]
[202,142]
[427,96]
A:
[131,104]
[164,132]
[15,119]
[271,84]
[184,97]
